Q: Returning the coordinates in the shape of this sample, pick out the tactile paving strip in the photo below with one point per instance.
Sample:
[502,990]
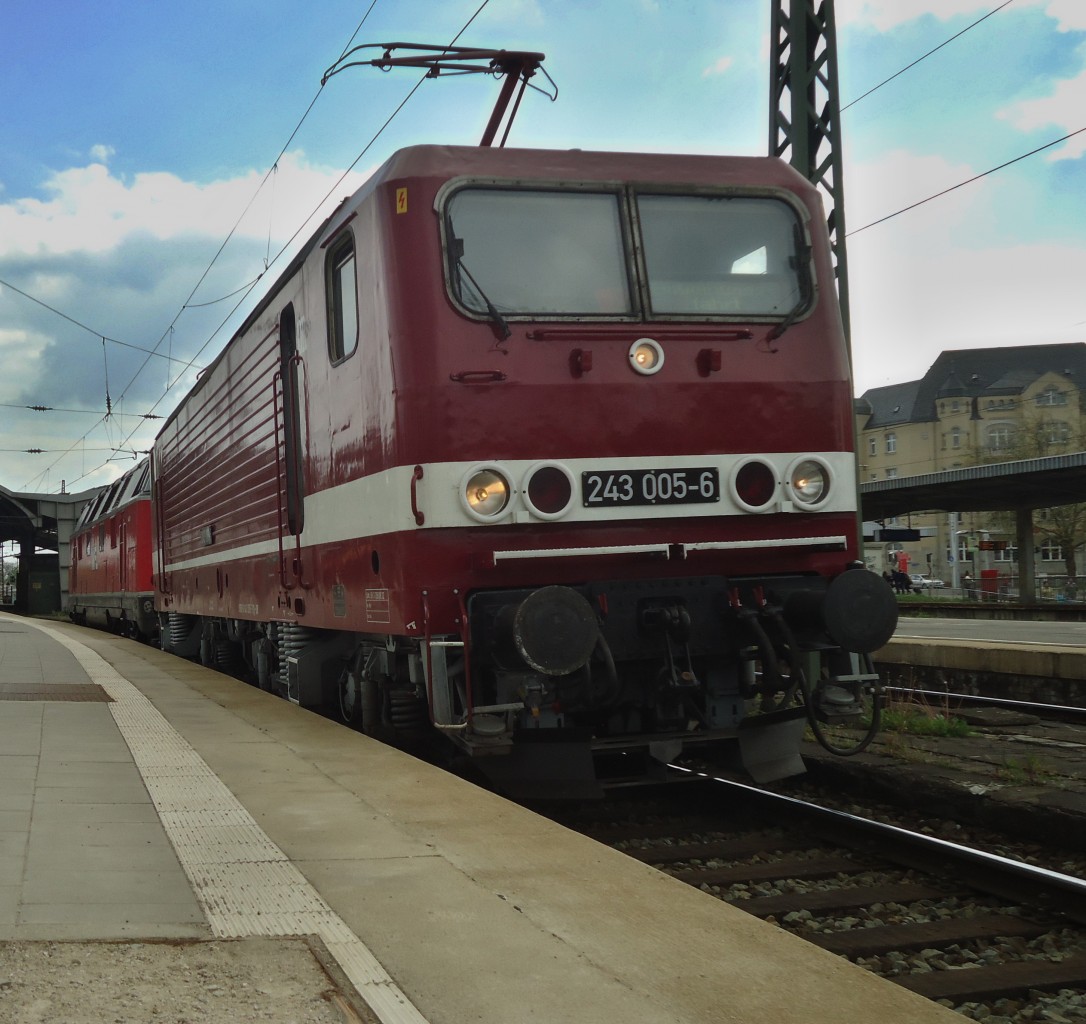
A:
[245,884]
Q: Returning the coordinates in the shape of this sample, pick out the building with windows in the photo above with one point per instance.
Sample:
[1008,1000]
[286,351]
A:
[971,407]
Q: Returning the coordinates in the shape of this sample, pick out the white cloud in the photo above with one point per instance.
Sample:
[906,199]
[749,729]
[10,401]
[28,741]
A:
[1063,109]
[121,256]
[887,14]
[102,154]
[88,209]
[522,13]
[20,355]
[899,178]
[1070,14]
[718,67]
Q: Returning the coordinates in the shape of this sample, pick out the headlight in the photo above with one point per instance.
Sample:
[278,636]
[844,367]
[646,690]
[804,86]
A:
[809,482]
[485,493]
[753,485]
[646,356]
[548,490]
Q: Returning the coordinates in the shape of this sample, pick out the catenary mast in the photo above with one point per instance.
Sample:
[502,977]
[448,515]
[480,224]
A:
[805,113]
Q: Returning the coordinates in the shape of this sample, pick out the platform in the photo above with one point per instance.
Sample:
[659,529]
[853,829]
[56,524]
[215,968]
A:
[142,796]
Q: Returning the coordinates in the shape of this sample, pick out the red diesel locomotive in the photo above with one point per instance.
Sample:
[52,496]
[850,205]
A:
[109,582]
[549,451]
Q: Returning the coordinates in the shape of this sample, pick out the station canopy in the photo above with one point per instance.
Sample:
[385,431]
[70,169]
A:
[993,487]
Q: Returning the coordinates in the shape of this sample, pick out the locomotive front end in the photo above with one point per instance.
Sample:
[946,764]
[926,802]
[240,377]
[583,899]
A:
[578,685]
[659,502]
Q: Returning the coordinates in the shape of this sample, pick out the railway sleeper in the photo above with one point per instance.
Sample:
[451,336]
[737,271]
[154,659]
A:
[999,981]
[731,849]
[799,867]
[839,899]
[924,935]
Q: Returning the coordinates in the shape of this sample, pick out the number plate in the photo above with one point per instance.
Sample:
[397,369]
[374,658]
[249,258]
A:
[615,488]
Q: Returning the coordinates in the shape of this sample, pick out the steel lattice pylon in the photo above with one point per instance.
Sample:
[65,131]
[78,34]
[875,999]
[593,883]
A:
[805,112]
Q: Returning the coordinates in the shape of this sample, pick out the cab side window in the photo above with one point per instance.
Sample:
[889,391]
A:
[342,298]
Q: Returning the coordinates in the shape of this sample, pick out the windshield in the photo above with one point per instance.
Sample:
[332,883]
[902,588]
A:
[538,252]
[720,255]
[523,252]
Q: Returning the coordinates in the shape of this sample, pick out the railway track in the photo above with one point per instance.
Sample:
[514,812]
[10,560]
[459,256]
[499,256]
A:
[985,934]
[954,702]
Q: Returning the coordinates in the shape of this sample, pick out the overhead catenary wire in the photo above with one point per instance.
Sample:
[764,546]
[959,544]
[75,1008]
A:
[365,149]
[908,67]
[82,412]
[968,181]
[305,222]
[44,474]
[50,451]
[105,365]
[188,304]
[952,188]
[168,333]
[270,172]
[83,326]
[190,363]
[354,163]
[332,190]
[228,295]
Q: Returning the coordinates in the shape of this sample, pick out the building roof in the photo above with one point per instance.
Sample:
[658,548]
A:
[891,405]
[970,373]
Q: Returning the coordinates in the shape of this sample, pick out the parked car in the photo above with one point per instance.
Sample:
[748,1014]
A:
[920,581]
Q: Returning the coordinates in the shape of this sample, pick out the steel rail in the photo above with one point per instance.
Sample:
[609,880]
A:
[968,698]
[1034,886]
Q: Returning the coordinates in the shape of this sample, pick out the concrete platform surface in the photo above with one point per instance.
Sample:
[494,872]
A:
[185,804]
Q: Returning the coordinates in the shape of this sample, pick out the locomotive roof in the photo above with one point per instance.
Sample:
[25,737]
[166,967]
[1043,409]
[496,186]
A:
[134,484]
[576,165]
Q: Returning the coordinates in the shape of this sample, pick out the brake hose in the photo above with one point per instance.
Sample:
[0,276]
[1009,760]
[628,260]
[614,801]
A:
[809,697]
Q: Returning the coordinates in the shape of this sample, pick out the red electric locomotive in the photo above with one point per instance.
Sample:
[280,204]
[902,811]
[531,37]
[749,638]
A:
[109,583]
[550,451]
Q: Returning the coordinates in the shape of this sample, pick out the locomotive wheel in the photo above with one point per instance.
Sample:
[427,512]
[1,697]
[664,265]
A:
[350,698]
[359,693]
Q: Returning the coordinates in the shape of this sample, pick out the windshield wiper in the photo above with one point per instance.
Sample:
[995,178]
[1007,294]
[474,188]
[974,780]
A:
[793,316]
[501,327]
[802,267]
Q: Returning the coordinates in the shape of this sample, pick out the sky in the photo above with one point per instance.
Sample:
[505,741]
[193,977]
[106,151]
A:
[150,171]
